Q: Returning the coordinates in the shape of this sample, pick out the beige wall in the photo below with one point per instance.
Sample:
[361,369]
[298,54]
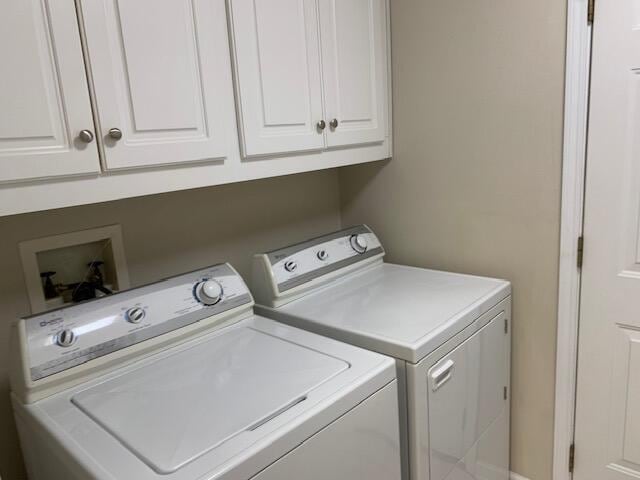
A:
[165,235]
[474,185]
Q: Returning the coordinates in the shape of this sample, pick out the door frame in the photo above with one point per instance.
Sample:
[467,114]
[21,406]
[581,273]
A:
[577,72]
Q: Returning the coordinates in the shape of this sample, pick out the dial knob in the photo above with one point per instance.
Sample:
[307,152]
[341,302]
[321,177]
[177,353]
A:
[290,266]
[135,315]
[209,292]
[66,338]
[358,243]
[322,255]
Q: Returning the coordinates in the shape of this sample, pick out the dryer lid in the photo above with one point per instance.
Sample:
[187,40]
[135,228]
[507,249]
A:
[174,410]
[405,312]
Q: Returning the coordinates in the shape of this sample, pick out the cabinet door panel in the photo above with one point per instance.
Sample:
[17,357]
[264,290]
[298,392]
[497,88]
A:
[44,99]
[278,82]
[354,58]
[162,76]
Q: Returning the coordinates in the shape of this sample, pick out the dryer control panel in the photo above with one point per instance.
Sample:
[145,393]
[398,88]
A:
[61,339]
[279,274]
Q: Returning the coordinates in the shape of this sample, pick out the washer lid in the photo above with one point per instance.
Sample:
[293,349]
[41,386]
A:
[172,411]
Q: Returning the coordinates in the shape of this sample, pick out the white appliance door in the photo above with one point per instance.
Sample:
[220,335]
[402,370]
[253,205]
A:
[466,396]
[175,410]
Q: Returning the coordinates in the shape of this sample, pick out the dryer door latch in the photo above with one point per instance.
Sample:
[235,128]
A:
[441,375]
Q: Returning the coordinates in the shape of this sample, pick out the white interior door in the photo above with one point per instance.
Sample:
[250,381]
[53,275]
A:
[162,77]
[44,99]
[354,60]
[278,80]
[608,393]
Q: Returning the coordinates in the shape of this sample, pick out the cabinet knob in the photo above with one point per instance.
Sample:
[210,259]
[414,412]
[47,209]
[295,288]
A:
[321,125]
[334,123]
[115,133]
[86,136]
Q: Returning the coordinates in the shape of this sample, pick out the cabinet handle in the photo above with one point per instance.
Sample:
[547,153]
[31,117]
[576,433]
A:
[321,125]
[86,136]
[115,133]
[334,123]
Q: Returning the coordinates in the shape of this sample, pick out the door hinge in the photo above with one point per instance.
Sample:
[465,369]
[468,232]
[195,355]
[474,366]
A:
[504,392]
[572,457]
[506,326]
[590,11]
[580,251]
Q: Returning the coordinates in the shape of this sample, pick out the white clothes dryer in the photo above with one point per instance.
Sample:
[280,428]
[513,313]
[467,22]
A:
[449,334]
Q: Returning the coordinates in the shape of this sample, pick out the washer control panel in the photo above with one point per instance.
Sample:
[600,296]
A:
[298,264]
[64,338]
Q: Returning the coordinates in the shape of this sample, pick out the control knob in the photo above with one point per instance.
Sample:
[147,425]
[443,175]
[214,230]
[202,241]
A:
[358,243]
[135,315]
[290,266]
[66,338]
[208,292]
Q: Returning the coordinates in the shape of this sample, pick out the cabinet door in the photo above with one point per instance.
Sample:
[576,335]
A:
[354,59]
[44,99]
[162,77]
[277,60]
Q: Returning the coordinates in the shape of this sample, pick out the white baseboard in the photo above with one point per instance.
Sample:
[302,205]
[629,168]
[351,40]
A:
[515,476]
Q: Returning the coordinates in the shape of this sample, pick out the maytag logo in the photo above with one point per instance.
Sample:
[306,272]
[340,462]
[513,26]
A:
[53,321]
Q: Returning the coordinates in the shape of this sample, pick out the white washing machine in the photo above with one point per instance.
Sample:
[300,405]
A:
[449,333]
[179,380]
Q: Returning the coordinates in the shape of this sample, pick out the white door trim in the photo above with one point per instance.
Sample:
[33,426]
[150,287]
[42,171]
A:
[573,176]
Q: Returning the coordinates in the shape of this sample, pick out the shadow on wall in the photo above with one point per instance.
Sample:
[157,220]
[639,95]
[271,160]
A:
[359,178]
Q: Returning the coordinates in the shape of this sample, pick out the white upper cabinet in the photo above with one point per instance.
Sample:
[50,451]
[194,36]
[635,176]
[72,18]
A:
[136,97]
[310,74]
[162,79]
[277,61]
[354,59]
[44,98]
